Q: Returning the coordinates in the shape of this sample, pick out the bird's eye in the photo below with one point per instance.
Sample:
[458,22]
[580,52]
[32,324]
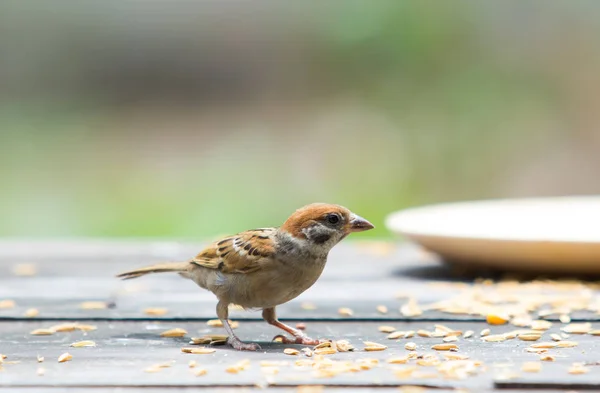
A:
[333,218]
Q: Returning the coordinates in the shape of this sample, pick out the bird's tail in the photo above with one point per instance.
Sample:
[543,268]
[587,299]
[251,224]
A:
[176,267]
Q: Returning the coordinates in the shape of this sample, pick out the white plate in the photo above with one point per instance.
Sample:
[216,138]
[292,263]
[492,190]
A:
[559,235]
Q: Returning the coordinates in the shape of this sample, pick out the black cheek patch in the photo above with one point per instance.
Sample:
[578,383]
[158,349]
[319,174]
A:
[320,239]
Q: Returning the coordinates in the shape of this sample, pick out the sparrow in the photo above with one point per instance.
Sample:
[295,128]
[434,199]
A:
[263,268]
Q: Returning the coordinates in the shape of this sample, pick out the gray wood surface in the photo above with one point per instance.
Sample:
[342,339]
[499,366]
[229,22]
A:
[359,276]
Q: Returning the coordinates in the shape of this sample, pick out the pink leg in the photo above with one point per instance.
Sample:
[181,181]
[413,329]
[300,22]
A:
[233,340]
[299,337]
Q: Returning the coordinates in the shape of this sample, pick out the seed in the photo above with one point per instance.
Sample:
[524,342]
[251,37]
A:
[468,333]
[547,358]
[80,344]
[410,346]
[154,311]
[177,332]
[32,313]
[201,340]
[445,347]
[24,269]
[42,332]
[219,323]
[386,329]
[301,326]
[93,305]
[198,350]
[65,357]
[577,328]
[450,339]
[511,335]
[192,364]
[578,368]
[41,371]
[291,351]
[325,351]
[541,324]
[344,346]
[40,359]
[443,328]
[423,333]
[496,319]
[209,339]
[544,345]
[555,337]
[566,344]
[484,332]
[594,332]
[373,346]
[409,334]
[382,309]
[529,336]
[308,306]
[7,304]
[345,312]
[564,318]
[307,352]
[71,327]
[395,335]
[531,367]
[494,338]
[199,372]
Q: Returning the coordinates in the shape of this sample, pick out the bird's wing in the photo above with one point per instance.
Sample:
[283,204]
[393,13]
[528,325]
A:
[245,252]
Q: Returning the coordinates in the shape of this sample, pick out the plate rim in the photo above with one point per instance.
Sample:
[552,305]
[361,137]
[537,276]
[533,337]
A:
[392,224]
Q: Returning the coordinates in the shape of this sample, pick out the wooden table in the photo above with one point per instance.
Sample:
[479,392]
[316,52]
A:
[55,278]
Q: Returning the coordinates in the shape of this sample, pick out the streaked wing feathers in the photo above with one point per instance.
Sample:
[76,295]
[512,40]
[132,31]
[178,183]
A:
[245,252]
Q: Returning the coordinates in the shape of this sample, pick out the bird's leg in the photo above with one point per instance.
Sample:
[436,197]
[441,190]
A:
[299,338]
[233,340]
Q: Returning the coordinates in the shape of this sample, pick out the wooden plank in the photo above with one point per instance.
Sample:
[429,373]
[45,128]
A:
[359,275]
[125,349]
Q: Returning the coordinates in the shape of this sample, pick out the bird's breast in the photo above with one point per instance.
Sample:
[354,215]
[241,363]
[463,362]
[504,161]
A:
[275,285]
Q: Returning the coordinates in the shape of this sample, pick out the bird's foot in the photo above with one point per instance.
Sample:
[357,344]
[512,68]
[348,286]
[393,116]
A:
[236,343]
[304,340]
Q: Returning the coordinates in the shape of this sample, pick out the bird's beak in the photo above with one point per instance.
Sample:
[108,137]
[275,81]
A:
[359,224]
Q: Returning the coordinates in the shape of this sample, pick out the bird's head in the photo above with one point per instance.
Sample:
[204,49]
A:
[324,225]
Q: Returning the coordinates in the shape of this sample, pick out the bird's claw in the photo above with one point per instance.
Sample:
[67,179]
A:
[303,340]
[236,343]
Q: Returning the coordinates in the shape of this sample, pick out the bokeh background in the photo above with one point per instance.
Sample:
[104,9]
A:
[187,119]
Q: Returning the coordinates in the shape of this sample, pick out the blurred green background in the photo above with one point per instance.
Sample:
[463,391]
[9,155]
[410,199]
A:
[188,119]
